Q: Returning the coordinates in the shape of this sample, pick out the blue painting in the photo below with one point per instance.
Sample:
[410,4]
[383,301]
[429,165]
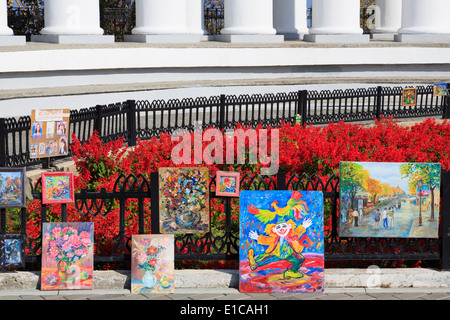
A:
[281,241]
[12,251]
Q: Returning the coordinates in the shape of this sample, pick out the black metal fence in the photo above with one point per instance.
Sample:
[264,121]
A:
[223,243]
[146,119]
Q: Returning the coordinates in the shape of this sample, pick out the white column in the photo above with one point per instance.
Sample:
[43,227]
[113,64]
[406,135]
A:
[388,19]
[195,16]
[7,37]
[336,21]
[425,21]
[159,21]
[290,18]
[4,29]
[249,21]
[72,21]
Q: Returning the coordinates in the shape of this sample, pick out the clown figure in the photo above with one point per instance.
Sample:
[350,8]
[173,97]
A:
[284,243]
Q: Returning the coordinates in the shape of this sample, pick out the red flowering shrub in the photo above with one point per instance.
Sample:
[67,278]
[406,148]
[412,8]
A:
[302,149]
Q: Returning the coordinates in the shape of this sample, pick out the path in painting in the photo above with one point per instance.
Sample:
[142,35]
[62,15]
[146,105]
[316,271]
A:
[404,219]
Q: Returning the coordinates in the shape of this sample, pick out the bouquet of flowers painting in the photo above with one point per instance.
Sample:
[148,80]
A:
[67,255]
[281,241]
[380,199]
[152,264]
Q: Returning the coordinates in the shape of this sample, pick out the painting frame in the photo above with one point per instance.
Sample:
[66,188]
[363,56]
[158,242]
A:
[45,188]
[4,239]
[22,203]
[409,97]
[440,89]
[231,175]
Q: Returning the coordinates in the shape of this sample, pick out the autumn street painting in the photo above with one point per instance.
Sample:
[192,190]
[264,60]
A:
[389,199]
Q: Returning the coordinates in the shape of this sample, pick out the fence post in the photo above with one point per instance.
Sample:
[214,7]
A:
[154,205]
[222,112]
[445,212]
[98,121]
[2,143]
[378,103]
[281,180]
[131,117]
[301,105]
[446,114]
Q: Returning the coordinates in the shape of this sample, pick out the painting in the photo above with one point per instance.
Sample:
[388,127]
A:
[152,264]
[440,89]
[381,199]
[57,187]
[184,200]
[409,97]
[67,256]
[12,188]
[11,250]
[227,184]
[281,241]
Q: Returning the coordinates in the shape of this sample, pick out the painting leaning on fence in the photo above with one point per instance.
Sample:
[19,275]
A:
[379,199]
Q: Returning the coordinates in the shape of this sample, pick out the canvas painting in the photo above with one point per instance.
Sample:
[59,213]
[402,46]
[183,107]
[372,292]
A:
[12,188]
[409,97]
[281,241]
[379,199]
[227,184]
[152,264]
[11,250]
[57,187]
[184,200]
[440,89]
[67,256]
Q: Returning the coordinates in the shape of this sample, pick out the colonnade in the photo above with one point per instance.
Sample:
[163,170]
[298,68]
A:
[248,20]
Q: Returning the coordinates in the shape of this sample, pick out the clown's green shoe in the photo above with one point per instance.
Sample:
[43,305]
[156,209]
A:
[292,274]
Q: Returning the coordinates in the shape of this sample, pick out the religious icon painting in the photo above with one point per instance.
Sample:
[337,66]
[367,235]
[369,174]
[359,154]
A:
[152,264]
[67,256]
[11,250]
[184,200]
[409,97]
[227,184]
[281,241]
[12,188]
[57,187]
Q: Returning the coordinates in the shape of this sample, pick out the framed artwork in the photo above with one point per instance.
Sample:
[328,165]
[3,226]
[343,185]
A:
[184,200]
[440,89]
[67,256]
[12,250]
[409,97]
[152,264]
[381,199]
[57,187]
[281,241]
[12,188]
[227,183]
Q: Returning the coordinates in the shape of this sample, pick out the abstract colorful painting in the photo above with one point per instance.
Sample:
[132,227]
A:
[57,187]
[11,250]
[440,89]
[184,200]
[152,264]
[380,199]
[227,184]
[67,256]
[12,188]
[281,241]
[409,97]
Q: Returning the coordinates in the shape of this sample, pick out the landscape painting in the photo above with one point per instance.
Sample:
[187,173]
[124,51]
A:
[184,200]
[67,256]
[379,199]
[57,187]
[281,241]
[152,264]
[12,188]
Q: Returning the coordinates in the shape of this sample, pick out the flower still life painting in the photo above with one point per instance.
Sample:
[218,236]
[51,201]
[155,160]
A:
[12,188]
[281,241]
[57,187]
[67,256]
[227,184]
[409,97]
[184,200]
[382,199]
[152,264]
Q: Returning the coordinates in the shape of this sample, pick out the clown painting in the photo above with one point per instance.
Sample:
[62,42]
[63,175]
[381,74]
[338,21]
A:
[281,241]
